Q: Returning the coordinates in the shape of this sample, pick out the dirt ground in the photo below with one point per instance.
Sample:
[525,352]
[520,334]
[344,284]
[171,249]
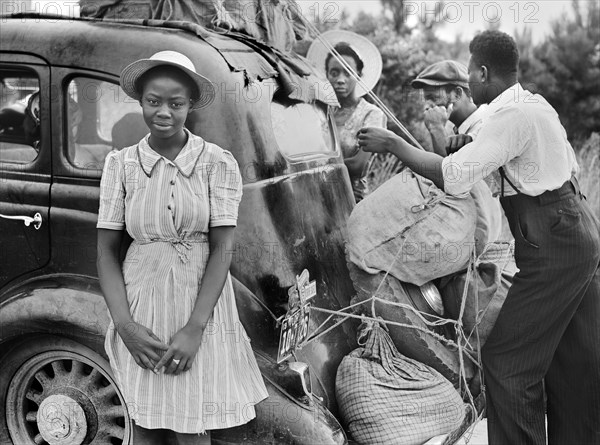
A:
[475,436]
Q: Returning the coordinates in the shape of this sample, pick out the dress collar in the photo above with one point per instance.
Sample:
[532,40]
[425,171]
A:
[185,161]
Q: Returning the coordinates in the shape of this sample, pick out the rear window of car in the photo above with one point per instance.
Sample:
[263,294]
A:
[302,129]
[100,118]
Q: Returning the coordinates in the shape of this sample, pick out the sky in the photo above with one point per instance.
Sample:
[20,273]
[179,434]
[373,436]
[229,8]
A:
[465,17]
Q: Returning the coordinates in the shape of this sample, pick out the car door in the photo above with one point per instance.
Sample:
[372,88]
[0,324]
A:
[96,117]
[25,165]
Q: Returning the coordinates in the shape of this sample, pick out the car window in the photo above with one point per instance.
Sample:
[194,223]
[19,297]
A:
[19,116]
[100,118]
[301,129]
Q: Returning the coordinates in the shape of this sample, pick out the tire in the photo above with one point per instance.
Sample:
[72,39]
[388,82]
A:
[56,391]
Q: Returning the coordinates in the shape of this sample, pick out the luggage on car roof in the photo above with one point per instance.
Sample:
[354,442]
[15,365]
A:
[275,23]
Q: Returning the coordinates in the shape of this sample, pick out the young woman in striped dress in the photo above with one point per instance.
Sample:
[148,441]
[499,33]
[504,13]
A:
[171,301]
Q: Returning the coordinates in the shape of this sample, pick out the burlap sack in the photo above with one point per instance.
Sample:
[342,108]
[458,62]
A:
[386,398]
[488,225]
[418,344]
[412,228]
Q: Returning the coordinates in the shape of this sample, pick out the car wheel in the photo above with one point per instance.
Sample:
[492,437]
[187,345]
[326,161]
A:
[56,391]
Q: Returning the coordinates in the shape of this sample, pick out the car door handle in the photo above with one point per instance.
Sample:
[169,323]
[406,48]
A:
[36,220]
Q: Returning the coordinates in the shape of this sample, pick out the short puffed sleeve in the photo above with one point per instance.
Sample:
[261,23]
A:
[375,118]
[225,190]
[111,214]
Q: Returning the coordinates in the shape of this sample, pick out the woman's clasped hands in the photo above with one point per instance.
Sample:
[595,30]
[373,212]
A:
[149,352]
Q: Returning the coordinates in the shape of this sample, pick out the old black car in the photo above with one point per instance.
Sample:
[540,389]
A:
[55,381]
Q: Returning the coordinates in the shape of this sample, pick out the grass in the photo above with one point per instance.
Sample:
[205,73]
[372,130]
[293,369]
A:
[588,157]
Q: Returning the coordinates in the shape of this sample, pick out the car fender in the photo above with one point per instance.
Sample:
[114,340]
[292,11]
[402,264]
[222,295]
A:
[68,305]
[281,420]
[73,306]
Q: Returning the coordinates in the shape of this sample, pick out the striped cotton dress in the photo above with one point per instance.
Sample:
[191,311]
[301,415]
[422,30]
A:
[167,208]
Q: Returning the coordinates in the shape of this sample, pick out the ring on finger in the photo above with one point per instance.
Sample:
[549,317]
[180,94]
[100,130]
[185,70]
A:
[176,361]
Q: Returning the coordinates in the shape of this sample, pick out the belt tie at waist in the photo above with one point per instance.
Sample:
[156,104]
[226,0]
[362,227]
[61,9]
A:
[182,245]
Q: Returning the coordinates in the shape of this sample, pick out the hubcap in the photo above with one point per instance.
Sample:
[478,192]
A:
[65,398]
[61,421]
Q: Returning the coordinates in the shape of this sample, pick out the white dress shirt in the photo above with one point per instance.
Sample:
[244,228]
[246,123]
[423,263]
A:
[472,124]
[490,216]
[523,134]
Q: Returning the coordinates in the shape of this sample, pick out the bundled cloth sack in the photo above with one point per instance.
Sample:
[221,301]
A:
[386,398]
[277,23]
[413,229]
[411,336]
[486,292]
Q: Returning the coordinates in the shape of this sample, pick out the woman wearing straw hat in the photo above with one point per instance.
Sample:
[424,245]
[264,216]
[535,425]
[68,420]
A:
[172,304]
[354,112]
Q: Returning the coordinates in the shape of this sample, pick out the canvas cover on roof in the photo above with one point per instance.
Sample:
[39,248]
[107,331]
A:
[276,23]
[245,30]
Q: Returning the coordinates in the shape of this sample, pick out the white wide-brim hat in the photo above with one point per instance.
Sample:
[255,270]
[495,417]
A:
[363,47]
[132,72]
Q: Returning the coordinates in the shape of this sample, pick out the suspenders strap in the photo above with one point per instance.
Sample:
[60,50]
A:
[569,187]
[505,178]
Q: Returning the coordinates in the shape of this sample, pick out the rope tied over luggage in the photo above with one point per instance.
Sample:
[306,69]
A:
[430,320]
[428,204]
[462,343]
[221,18]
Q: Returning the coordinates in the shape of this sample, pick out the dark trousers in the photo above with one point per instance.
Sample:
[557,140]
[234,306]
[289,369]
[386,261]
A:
[549,327]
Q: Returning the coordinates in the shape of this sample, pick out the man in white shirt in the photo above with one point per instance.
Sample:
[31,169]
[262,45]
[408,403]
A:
[549,326]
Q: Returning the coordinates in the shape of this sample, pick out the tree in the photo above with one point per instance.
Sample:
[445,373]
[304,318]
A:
[565,68]
[426,19]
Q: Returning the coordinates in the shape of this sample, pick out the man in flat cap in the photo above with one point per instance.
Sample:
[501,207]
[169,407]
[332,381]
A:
[447,97]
